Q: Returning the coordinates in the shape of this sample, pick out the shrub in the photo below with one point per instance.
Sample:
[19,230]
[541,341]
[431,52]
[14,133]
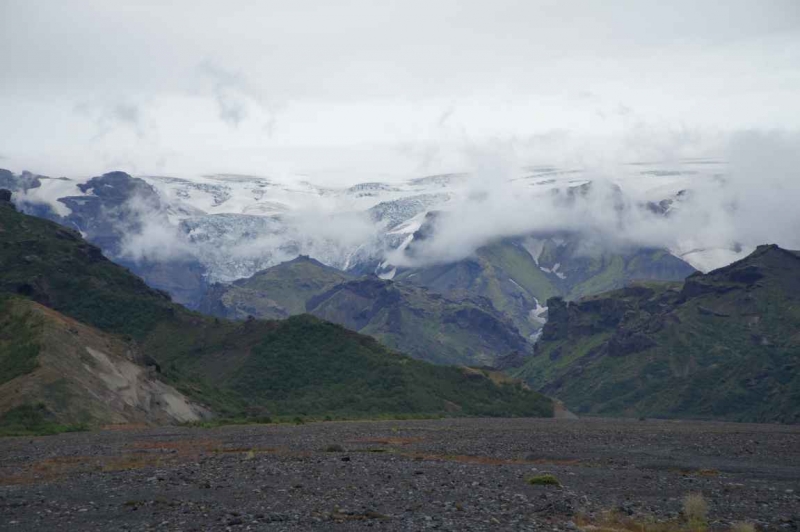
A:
[334,449]
[695,509]
[544,480]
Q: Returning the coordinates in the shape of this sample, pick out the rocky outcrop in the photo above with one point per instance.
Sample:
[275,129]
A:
[5,196]
[722,345]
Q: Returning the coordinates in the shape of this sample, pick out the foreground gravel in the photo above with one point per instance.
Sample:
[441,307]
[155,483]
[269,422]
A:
[462,474]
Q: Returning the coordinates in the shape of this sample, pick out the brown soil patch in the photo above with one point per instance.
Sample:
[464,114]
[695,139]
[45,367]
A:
[182,446]
[387,441]
[48,470]
[119,427]
[488,460]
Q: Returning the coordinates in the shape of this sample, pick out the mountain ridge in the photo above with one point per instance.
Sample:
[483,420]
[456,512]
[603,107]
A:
[723,345]
[410,319]
[238,368]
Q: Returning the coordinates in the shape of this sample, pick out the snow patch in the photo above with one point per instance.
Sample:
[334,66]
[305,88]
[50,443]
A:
[554,270]
[536,314]
[534,247]
[388,275]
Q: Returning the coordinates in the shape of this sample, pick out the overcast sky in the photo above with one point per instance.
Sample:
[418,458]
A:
[380,87]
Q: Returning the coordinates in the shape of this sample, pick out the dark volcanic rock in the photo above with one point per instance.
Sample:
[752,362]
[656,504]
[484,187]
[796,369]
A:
[457,474]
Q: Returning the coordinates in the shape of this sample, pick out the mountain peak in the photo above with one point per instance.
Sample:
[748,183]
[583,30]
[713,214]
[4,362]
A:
[768,261]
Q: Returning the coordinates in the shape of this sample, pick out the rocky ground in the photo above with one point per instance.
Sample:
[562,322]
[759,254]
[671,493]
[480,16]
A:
[460,474]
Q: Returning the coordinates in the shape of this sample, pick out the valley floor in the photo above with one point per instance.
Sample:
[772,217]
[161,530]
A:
[459,474]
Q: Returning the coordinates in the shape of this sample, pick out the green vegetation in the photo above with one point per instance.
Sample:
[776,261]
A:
[302,367]
[544,480]
[32,420]
[310,367]
[18,345]
[423,325]
[723,345]
[56,267]
[615,521]
[274,293]
[504,273]
[695,510]
[507,274]
[406,318]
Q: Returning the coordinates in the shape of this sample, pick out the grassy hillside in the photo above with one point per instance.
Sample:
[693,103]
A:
[503,273]
[274,293]
[233,367]
[722,345]
[519,275]
[423,325]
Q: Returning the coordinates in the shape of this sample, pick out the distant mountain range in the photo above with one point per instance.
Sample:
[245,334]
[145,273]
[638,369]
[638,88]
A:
[182,235]
[85,341]
[372,259]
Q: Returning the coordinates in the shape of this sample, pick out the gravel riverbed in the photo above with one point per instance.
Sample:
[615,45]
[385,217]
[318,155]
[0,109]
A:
[454,474]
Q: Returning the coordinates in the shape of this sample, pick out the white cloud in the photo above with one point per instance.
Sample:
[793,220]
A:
[359,73]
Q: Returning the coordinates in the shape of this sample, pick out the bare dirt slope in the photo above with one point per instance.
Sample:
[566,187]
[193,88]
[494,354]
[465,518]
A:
[464,474]
[83,375]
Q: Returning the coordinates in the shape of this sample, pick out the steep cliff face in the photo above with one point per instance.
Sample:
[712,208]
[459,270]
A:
[720,345]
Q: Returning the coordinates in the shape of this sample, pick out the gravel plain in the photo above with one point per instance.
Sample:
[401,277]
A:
[452,474]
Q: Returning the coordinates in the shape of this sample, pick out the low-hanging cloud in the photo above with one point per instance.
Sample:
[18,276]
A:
[108,116]
[235,246]
[231,91]
[753,202]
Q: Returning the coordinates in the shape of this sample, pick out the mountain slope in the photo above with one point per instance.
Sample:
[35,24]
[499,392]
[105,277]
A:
[236,368]
[721,345]
[274,293]
[519,275]
[404,317]
[77,374]
[426,326]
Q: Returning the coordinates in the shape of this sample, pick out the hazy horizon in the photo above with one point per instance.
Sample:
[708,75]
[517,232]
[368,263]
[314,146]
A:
[364,91]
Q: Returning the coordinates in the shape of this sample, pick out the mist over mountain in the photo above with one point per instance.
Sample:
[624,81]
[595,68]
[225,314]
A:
[282,262]
[220,228]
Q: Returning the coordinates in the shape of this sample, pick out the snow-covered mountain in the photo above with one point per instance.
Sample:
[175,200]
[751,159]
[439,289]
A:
[231,226]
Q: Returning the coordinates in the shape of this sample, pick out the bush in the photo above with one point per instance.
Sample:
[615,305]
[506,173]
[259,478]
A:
[544,480]
[695,510]
[33,420]
[334,449]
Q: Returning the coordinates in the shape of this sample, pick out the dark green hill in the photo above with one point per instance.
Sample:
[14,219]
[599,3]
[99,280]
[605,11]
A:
[297,366]
[519,275]
[424,325]
[722,345]
[274,293]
